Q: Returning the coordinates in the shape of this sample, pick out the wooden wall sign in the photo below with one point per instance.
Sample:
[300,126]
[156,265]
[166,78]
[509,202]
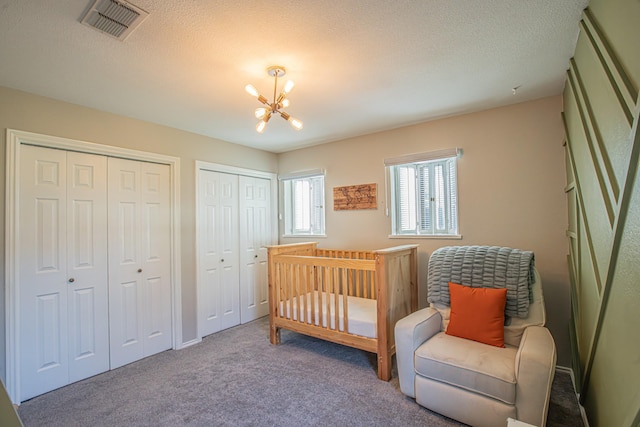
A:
[354,197]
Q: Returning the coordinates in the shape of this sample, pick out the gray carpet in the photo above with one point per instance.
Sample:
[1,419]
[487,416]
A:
[236,377]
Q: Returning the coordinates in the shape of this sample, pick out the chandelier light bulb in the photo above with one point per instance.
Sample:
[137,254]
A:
[260,126]
[251,90]
[260,112]
[297,124]
[285,103]
[288,86]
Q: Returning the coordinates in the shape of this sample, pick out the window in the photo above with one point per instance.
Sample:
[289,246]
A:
[424,200]
[304,203]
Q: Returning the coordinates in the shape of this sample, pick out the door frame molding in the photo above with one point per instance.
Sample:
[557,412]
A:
[14,141]
[234,170]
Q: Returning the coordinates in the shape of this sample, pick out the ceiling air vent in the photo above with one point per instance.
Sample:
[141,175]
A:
[116,18]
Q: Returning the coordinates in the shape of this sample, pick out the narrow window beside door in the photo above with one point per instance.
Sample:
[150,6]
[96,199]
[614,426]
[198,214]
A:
[304,205]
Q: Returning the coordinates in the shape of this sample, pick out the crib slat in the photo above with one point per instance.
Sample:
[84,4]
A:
[274,281]
[336,299]
[351,285]
[312,286]
[366,284]
[303,291]
[296,290]
[285,286]
[344,300]
[372,284]
[281,291]
[327,280]
[290,294]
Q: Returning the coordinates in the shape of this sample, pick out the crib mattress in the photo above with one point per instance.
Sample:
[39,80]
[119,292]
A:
[361,317]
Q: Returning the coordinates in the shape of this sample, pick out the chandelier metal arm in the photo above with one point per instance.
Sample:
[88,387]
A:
[275,86]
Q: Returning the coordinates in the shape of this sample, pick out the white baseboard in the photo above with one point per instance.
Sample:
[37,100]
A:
[565,370]
[569,371]
[189,343]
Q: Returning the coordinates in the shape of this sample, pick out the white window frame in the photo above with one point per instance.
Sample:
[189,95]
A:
[413,214]
[304,209]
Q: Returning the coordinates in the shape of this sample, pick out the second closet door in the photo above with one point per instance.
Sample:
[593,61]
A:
[255,236]
[219,292]
[139,260]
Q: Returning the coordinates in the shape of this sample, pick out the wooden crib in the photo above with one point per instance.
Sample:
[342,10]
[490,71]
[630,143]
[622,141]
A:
[348,297]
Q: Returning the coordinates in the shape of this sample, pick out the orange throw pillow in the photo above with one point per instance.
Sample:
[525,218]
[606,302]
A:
[477,314]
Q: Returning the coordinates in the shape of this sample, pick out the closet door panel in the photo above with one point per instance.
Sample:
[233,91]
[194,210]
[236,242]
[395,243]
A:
[228,231]
[87,265]
[218,293]
[255,236]
[125,278]
[264,239]
[209,290]
[156,257]
[43,280]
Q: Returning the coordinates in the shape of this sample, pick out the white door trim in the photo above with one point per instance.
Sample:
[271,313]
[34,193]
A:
[14,141]
[217,167]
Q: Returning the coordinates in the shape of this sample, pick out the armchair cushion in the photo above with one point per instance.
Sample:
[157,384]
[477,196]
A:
[484,369]
[477,314]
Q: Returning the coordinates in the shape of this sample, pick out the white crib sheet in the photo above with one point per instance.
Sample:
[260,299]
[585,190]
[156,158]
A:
[362,318]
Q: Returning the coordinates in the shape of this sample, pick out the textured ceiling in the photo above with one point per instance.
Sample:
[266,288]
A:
[360,66]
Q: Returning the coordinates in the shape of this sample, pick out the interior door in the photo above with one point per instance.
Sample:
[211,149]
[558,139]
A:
[139,255]
[63,305]
[255,236]
[228,249]
[88,288]
[125,264]
[155,260]
[218,293]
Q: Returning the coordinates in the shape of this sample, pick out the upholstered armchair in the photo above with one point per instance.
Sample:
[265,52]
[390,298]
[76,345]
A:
[470,381]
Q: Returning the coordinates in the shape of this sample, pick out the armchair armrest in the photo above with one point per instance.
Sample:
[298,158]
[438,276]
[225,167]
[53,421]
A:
[410,333]
[535,368]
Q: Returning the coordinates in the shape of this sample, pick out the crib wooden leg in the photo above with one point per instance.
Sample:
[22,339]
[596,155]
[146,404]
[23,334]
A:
[274,335]
[384,367]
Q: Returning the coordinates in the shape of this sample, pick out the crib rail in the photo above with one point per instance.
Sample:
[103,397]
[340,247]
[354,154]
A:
[315,290]
[361,282]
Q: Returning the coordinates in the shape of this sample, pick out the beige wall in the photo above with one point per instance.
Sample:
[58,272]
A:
[602,111]
[22,111]
[510,185]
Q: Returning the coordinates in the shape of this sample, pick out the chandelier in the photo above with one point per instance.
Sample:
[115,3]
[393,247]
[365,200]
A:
[279,102]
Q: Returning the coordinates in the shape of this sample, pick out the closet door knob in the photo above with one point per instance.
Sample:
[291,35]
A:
[222,260]
[71,280]
[255,256]
[139,270]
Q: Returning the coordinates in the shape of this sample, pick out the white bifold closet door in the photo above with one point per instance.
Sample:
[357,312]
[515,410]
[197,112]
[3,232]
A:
[64,329]
[139,260]
[255,236]
[219,286]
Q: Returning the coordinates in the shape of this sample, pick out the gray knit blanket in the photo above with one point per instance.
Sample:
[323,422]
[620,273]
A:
[483,266]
